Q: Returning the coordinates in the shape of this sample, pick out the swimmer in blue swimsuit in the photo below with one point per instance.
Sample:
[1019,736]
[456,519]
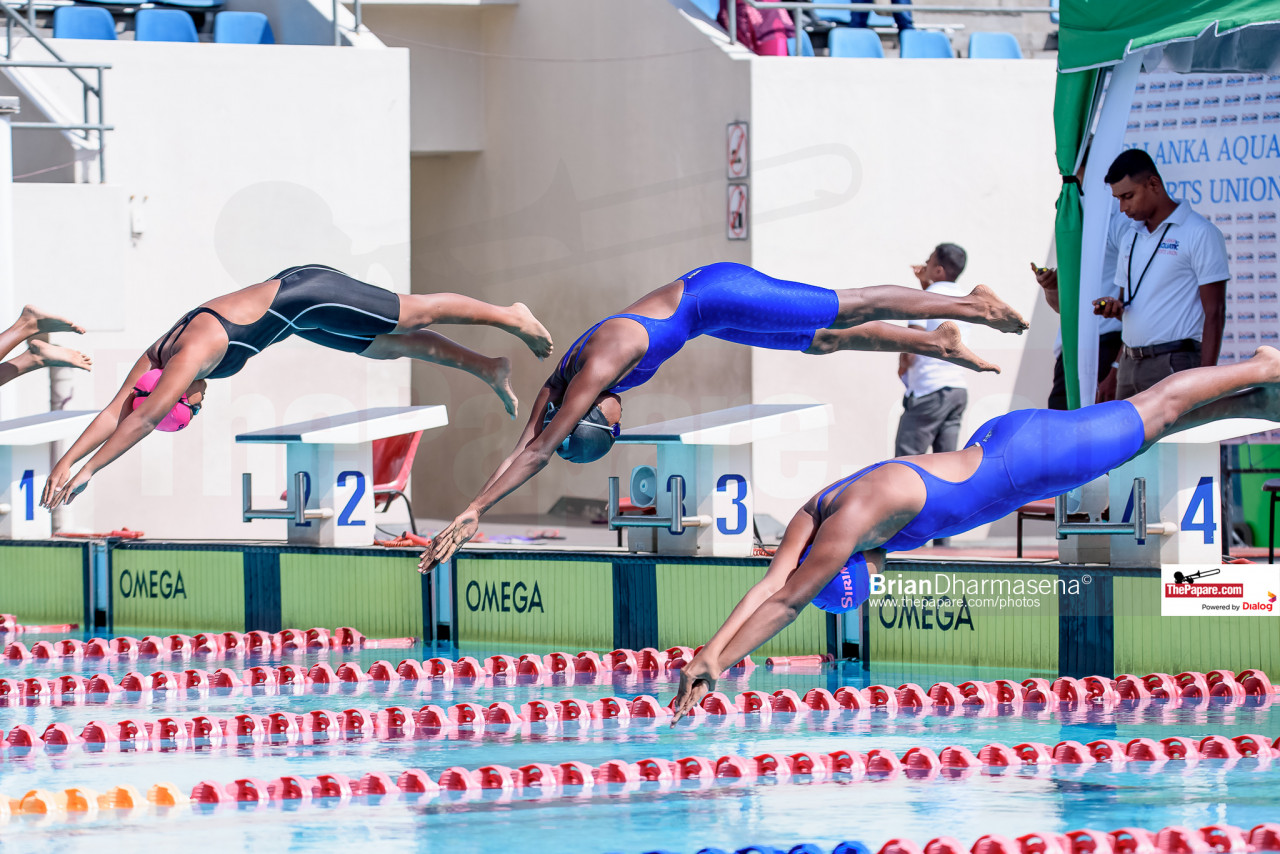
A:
[578,410]
[843,532]
[314,302]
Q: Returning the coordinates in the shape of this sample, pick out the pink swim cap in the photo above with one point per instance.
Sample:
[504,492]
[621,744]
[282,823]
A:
[181,414]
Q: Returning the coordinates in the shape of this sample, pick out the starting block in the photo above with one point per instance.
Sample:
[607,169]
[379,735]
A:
[1183,493]
[329,467]
[24,468]
[706,459]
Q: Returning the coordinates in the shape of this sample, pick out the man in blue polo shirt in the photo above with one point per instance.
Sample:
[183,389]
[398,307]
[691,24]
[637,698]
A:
[1171,282]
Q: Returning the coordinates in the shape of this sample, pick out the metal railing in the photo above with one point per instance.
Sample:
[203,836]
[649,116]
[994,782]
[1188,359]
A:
[94,121]
[797,6]
[337,32]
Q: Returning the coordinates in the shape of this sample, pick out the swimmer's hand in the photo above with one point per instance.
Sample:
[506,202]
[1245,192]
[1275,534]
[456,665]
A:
[696,681]
[57,479]
[450,540]
[69,490]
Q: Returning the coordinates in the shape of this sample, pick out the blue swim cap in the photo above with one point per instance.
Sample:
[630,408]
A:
[849,589]
[591,438]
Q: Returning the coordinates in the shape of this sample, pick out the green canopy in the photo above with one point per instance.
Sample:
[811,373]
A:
[1094,33]
[1098,33]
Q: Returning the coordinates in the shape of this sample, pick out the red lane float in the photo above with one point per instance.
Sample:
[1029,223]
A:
[1127,840]
[180,646]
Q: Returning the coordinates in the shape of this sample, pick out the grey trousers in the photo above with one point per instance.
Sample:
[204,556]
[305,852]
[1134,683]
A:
[931,421]
[1135,375]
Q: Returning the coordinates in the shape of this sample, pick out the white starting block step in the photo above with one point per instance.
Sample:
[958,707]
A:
[1183,491]
[24,468]
[712,453]
[332,460]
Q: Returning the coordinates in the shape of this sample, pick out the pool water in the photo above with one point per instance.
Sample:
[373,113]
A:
[724,814]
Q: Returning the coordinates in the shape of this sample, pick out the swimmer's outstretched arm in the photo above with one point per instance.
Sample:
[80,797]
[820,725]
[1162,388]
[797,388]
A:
[119,427]
[832,546]
[530,456]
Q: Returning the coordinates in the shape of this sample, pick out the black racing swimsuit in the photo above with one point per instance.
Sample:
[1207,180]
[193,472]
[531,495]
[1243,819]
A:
[314,302]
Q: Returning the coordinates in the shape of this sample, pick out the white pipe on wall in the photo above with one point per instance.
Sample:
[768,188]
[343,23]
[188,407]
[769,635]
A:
[8,109]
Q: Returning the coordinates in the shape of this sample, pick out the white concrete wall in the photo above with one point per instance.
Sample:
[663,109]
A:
[242,160]
[446,61]
[602,177]
[861,167]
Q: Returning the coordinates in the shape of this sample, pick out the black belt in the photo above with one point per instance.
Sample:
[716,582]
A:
[1186,345]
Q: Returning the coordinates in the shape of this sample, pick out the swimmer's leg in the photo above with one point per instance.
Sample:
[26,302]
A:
[33,321]
[427,346]
[42,354]
[1198,396]
[892,302]
[944,343]
[418,311]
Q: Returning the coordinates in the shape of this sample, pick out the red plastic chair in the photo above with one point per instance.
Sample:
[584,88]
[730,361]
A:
[392,465]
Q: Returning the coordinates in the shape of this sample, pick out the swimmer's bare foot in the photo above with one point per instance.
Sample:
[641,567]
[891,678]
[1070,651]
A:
[530,331]
[48,355]
[997,313]
[951,348]
[499,379]
[42,321]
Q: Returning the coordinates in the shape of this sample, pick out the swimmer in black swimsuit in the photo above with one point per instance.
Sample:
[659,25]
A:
[166,386]
[842,533]
[40,354]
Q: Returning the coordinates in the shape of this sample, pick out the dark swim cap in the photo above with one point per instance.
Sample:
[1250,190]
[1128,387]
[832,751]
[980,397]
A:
[591,438]
[849,589]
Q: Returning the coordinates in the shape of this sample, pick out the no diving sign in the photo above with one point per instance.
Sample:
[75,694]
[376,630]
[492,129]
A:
[736,158]
[736,222]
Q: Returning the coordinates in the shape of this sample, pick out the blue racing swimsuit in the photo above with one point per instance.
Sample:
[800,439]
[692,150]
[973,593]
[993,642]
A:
[732,302]
[1027,455]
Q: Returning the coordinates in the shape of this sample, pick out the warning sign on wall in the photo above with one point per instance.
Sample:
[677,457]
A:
[736,224]
[736,151]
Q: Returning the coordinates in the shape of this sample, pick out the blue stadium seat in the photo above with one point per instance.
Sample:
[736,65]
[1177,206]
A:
[925,44]
[164,25]
[83,22]
[994,46]
[847,41]
[710,8]
[879,19]
[835,16]
[1053,16]
[242,28]
[806,45]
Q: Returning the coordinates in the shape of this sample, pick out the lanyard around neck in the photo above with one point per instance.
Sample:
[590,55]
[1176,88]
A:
[1131,290]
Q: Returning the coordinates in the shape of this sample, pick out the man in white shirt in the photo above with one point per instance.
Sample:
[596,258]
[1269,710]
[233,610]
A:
[1171,279]
[937,391]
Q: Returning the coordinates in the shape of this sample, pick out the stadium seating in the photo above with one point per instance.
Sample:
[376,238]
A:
[83,22]
[835,16]
[710,8]
[242,28]
[806,45]
[847,41]
[164,25]
[925,44]
[994,46]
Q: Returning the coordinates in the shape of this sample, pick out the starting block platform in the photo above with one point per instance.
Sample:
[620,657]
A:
[1182,473]
[329,467]
[711,453]
[24,468]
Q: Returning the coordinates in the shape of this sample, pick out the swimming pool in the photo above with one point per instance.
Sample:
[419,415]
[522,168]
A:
[635,816]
